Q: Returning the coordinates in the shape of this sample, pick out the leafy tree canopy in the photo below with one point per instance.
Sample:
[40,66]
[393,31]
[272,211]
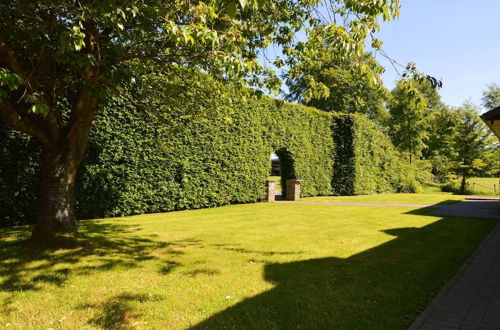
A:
[409,110]
[491,97]
[471,139]
[347,87]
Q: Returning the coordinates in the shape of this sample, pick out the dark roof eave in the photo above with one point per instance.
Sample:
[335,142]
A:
[491,115]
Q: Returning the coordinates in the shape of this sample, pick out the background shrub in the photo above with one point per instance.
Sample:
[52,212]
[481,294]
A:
[453,185]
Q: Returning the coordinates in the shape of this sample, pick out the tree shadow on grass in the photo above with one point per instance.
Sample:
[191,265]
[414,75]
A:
[232,248]
[118,311]
[169,266]
[384,287]
[25,268]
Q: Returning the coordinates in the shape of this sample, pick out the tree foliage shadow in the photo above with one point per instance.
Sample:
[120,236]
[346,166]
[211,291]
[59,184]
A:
[197,272]
[117,312]
[232,248]
[384,287]
[25,267]
[169,265]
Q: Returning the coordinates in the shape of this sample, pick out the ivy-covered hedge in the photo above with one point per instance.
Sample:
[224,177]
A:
[133,167]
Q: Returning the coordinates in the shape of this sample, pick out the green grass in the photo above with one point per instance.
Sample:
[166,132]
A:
[433,188]
[266,265]
[426,198]
[484,186]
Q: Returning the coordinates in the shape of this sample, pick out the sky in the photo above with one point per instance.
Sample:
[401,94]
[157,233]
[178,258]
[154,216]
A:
[457,41]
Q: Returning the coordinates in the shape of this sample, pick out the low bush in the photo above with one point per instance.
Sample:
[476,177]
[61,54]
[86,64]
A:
[409,185]
[453,185]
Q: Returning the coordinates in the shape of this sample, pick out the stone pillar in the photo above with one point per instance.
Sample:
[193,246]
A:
[270,187]
[293,189]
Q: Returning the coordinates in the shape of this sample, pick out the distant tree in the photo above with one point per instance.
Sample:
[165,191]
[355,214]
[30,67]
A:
[491,159]
[441,130]
[431,96]
[349,89]
[491,97]
[408,122]
[470,140]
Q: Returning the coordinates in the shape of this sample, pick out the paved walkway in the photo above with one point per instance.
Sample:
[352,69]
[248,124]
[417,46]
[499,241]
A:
[489,209]
[358,204]
[471,300]
[481,208]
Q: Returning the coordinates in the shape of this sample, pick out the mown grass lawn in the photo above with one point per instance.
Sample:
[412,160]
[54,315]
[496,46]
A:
[485,186]
[259,266]
[427,198]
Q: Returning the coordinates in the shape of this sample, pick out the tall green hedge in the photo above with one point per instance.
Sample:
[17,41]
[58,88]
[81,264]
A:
[366,161]
[223,157]
[190,163]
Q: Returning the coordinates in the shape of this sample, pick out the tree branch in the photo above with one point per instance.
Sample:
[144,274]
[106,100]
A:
[8,59]
[19,123]
[51,121]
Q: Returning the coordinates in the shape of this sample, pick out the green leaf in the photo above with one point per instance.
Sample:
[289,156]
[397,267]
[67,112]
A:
[11,80]
[40,108]
[232,8]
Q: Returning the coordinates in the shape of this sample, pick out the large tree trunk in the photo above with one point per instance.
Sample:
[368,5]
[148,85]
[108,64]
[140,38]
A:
[60,163]
[63,141]
[56,205]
